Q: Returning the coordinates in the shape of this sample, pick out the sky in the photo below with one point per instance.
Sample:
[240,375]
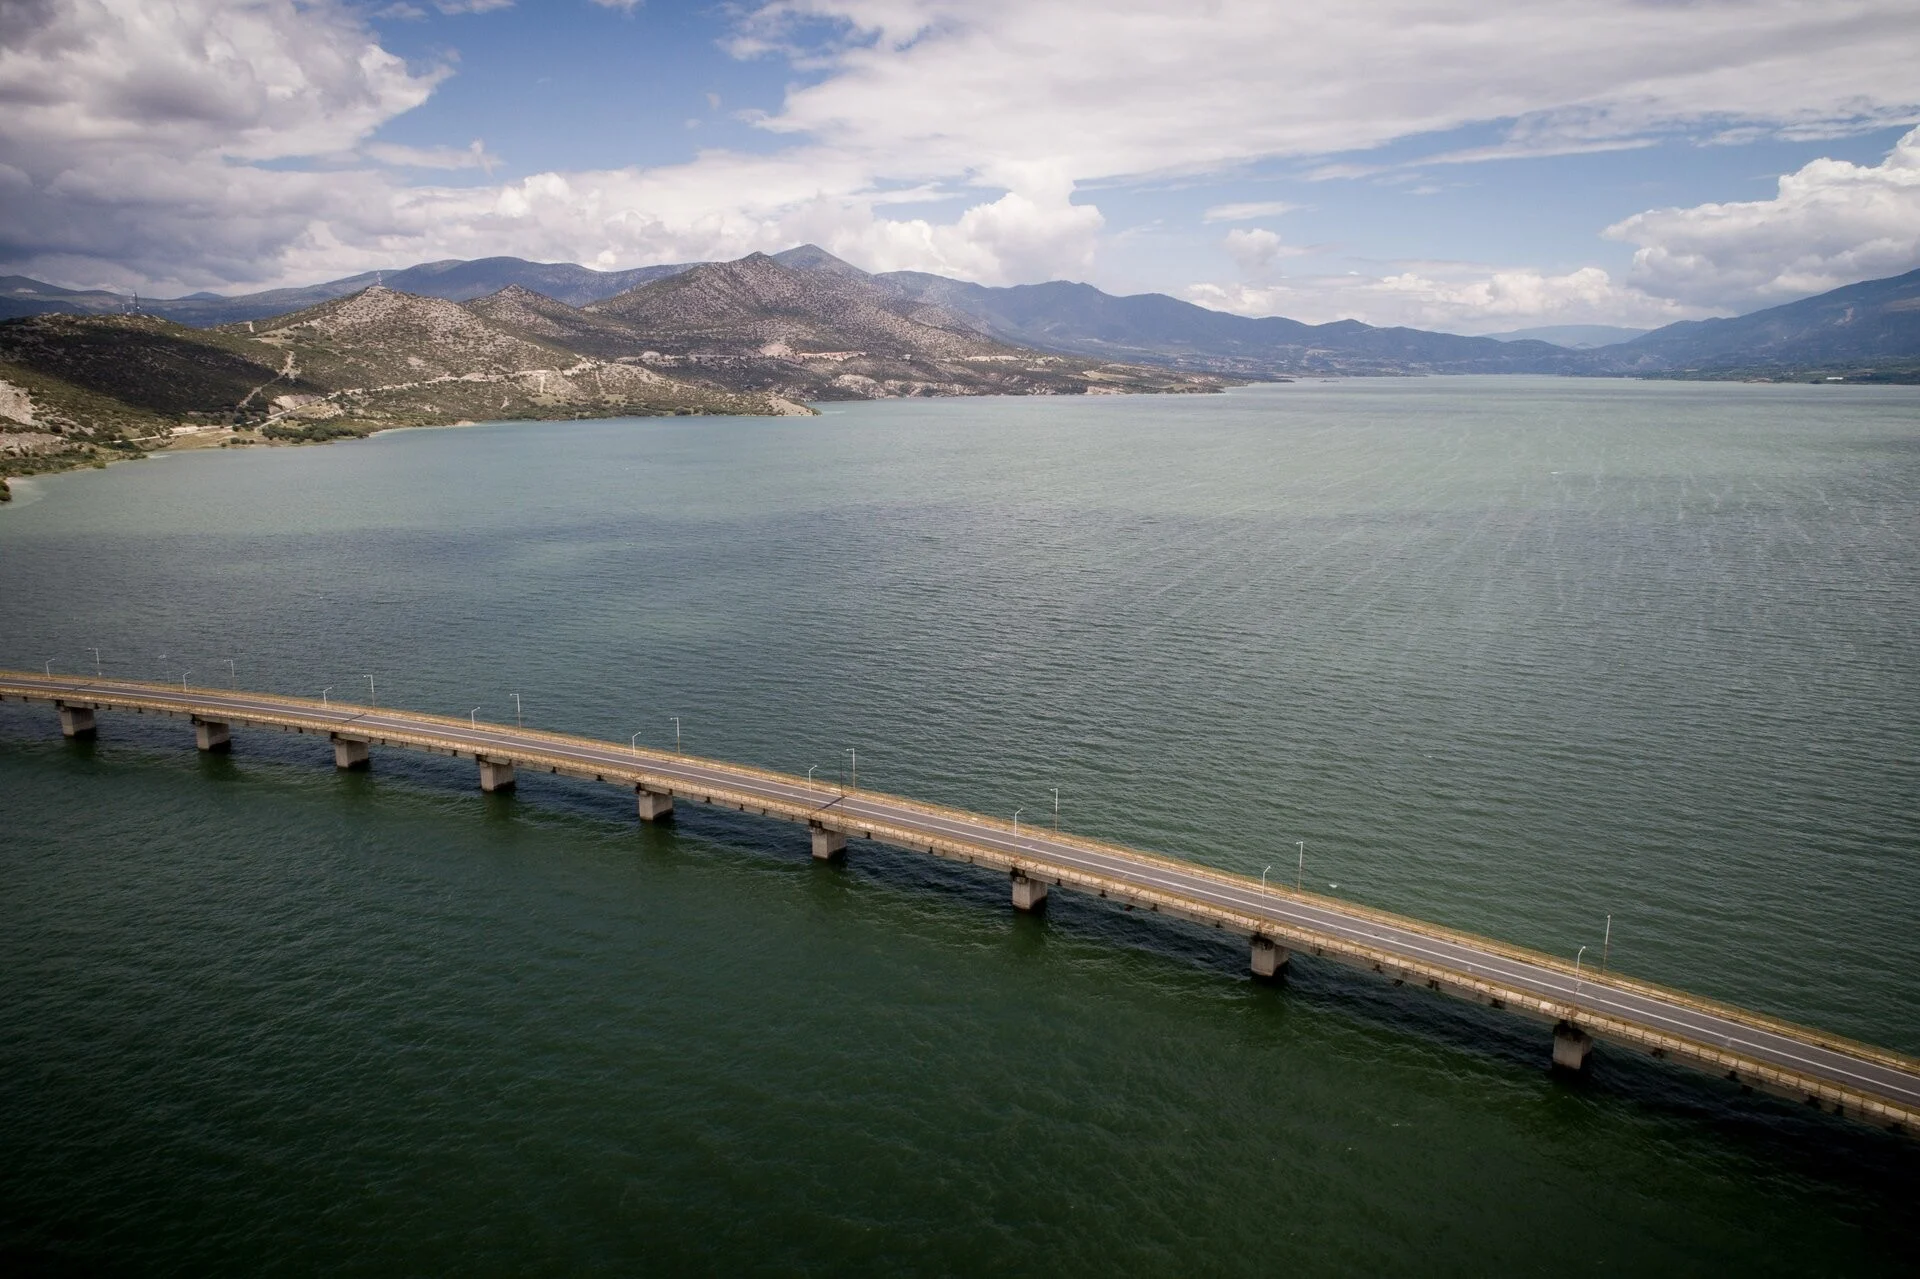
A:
[1470,167]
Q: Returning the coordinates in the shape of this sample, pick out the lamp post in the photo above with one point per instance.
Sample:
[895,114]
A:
[183,678]
[1576,974]
[1300,872]
[324,704]
[49,668]
[233,675]
[855,756]
[516,710]
[1263,877]
[1016,824]
[473,718]
[371,699]
[810,769]
[1056,809]
[676,734]
[1606,945]
[634,742]
[97,674]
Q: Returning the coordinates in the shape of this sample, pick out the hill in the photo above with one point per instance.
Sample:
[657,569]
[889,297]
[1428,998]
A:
[1859,329]
[75,389]
[1155,328]
[1577,337]
[454,279]
[824,329]
[542,319]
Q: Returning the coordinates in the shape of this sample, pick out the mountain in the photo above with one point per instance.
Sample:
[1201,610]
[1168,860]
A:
[20,296]
[542,319]
[454,279]
[819,328]
[1577,337]
[1866,327]
[1154,328]
[74,385]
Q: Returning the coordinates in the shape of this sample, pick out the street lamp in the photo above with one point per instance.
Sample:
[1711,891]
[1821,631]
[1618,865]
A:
[371,699]
[233,675]
[1606,944]
[473,718]
[1576,974]
[1016,824]
[96,665]
[676,734]
[1263,877]
[810,775]
[323,697]
[1056,810]
[516,710]
[856,767]
[634,742]
[183,679]
[1300,872]
[49,668]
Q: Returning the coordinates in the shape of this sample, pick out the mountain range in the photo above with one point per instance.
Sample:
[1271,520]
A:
[1867,329]
[746,337]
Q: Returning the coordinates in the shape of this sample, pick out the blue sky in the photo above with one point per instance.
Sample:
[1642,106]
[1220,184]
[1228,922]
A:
[1474,168]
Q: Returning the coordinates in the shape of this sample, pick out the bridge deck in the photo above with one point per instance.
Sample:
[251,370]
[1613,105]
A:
[1855,1079]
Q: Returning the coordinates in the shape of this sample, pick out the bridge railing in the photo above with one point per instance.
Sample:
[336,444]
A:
[329,717]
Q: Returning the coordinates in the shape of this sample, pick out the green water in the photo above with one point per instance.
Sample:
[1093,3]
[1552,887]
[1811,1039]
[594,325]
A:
[1510,654]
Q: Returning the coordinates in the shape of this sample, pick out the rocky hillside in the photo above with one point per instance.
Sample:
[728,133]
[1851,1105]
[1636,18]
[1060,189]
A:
[826,330]
[77,388]
[543,319]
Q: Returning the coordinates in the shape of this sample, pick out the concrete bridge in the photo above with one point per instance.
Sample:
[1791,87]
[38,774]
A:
[1753,1051]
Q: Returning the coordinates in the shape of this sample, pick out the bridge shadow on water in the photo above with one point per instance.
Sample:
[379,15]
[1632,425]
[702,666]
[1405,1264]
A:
[1779,1138]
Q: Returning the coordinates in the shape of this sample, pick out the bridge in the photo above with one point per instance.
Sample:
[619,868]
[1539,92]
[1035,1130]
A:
[1582,1006]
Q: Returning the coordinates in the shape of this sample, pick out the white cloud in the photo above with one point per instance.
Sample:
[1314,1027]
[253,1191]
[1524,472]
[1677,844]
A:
[1127,87]
[1450,296]
[1830,223]
[1256,249]
[472,156]
[153,143]
[1247,212]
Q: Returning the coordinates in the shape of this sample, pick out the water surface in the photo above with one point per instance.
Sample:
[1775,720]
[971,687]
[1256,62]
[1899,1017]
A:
[1509,654]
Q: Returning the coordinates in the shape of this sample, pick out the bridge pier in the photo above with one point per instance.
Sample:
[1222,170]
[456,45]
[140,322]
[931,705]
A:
[654,805]
[212,735]
[75,721]
[1028,894]
[495,774]
[1570,1047]
[827,844]
[1269,959]
[350,752]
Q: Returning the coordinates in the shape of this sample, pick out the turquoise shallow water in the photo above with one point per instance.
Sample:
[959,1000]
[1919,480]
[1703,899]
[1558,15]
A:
[1511,654]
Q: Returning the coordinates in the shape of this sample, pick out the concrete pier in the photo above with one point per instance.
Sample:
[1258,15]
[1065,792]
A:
[349,752]
[495,774]
[827,844]
[1269,959]
[1028,894]
[75,721]
[1570,1047]
[654,805]
[212,734]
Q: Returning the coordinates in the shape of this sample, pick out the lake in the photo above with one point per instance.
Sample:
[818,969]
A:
[1515,655]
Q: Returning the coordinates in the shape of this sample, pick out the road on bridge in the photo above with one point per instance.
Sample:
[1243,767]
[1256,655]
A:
[1881,1086]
